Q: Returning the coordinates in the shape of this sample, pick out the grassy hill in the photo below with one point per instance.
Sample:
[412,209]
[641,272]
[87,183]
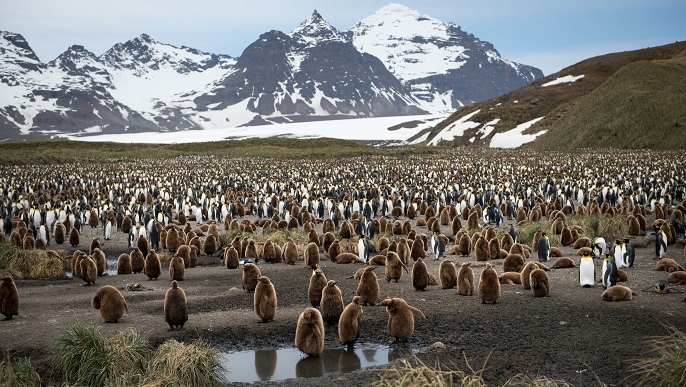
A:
[58,152]
[625,100]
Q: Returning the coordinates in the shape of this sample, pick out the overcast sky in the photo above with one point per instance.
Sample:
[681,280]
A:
[547,34]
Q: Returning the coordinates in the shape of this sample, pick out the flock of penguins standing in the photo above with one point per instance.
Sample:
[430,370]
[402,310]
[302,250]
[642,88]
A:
[367,210]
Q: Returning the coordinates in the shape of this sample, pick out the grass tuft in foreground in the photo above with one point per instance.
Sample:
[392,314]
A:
[84,357]
[20,374]
[405,373]
[196,364]
[665,364]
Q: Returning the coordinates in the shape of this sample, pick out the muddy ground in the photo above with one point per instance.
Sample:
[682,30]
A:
[572,335]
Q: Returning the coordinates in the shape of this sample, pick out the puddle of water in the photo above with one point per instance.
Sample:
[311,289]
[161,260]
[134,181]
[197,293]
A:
[287,363]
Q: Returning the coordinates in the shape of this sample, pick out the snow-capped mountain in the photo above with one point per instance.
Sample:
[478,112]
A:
[442,66]
[312,71]
[395,62]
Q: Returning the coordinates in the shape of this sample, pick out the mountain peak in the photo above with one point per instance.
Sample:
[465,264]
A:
[315,29]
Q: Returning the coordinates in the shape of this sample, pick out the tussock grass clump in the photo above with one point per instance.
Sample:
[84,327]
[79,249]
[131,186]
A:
[20,374]
[404,373]
[22,263]
[196,364]
[84,357]
[277,236]
[665,364]
[528,229]
[523,380]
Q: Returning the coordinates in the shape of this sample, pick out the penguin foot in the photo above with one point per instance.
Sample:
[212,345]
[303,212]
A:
[7,318]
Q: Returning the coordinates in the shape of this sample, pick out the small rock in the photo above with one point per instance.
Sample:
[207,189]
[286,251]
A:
[437,346]
[563,323]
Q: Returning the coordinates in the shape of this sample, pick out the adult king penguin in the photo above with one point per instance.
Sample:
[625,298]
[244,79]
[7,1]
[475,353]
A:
[598,248]
[609,271]
[586,271]
[619,253]
[543,248]
[363,248]
[437,246]
[660,242]
[630,253]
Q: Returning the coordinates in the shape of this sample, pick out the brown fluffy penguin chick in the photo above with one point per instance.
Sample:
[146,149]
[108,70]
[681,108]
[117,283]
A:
[95,243]
[464,247]
[100,261]
[265,299]
[314,291]
[231,258]
[9,298]
[481,251]
[400,318]
[669,265]
[172,241]
[346,258]
[124,264]
[368,288]
[417,250]
[137,260]
[74,237]
[89,271]
[60,233]
[175,307]
[290,252]
[447,272]
[209,247]
[331,304]
[143,245]
[617,293]
[177,269]
[153,266]
[420,275]
[184,251]
[377,260]
[269,252]
[465,280]
[309,333]
[394,267]
[110,302]
[677,278]
[510,278]
[564,263]
[526,271]
[350,323]
[250,274]
[311,255]
[540,287]
[513,262]
[489,286]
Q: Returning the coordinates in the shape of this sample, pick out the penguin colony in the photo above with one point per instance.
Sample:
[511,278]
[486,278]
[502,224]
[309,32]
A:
[427,212]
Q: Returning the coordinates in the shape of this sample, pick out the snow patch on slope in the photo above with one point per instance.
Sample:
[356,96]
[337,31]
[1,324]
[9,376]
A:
[565,79]
[514,138]
[456,129]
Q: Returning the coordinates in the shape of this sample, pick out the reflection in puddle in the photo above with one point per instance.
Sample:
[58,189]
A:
[286,363]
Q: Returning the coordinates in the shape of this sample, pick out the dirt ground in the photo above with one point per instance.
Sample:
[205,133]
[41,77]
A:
[572,335]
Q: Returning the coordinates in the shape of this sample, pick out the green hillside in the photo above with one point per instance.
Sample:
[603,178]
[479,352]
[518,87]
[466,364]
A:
[643,105]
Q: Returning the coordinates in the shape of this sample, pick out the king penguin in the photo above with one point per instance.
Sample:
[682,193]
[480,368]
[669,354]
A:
[107,231]
[609,271]
[363,249]
[660,242]
[630,253]
[598,248]
[619,253]
[543,248]
[436,246]
[513,233]
[586,271]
